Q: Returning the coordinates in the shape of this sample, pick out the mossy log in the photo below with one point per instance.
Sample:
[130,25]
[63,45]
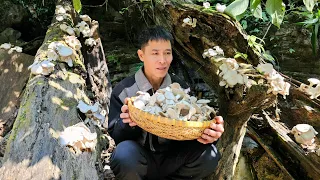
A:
[49,105]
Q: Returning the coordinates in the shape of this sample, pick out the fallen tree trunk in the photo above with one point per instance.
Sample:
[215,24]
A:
[49,104]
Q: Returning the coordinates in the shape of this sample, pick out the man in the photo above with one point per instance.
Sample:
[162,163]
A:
[142,155]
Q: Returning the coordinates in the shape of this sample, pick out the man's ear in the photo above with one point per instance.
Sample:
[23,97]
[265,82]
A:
[140,54]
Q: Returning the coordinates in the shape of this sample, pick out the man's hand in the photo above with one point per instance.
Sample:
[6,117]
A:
[125,114]
[213,134]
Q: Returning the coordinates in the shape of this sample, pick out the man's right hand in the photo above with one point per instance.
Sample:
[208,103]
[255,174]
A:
[125,114]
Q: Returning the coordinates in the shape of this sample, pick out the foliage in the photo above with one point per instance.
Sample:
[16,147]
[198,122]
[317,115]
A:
[275,8]
[41,11]
[312,22]
[237,8]
[77,5]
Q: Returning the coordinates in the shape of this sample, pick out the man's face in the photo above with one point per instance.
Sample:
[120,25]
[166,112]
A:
[156,57]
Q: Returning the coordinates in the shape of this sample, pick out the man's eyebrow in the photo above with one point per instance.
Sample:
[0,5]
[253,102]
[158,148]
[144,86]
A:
[159,50]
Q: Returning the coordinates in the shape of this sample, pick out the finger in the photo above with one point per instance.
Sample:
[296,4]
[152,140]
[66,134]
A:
[203,141]
[219,128]
[132,124]
[212,133]
[208,138]
[213,125]
[124,109]
[124,115]
[219,119]
[126,101]
[128,120]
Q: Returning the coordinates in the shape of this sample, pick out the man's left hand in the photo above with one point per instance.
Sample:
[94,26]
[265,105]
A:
[213,134]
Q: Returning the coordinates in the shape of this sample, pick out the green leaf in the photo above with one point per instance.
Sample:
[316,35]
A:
[309,21]
[244,24]
[236,8]
[77,5]
[255,8]
[268,57]
[276,9]
[314,39]
[291,51]
[309,4]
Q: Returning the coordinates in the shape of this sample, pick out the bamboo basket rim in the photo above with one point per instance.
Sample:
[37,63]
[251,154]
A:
[168,121]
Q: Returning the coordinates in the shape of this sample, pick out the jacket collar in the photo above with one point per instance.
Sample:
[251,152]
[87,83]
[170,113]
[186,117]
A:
[144,84]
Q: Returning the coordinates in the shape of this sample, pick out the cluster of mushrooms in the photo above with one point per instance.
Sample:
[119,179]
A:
[174,102]
[8,46]
[313,89]
[64,50]
[233,73]
[79,138]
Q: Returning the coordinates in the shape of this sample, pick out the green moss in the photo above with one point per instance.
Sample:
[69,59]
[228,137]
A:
[69,102]
[22,120]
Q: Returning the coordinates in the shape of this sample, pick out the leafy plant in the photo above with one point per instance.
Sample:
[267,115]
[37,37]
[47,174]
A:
[275,8]
[312,22]
[257,47]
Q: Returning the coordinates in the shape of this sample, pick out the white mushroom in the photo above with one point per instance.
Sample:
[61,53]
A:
[85,18]
[64,50]
[5,46]
[83,107]
[220,8]
[175,86]
[47,67]
[304,134]
[160,98]
[170,102]
[313,81]
[60,10]
[203,101]
[192,111]
[78,137]
[73,42]
[138,103]
[36,68]
[59,18]
[172,113]
[90,42]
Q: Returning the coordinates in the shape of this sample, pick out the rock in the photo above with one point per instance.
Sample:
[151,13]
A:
[11,14]
[10,35]
[291,45]
[13,77]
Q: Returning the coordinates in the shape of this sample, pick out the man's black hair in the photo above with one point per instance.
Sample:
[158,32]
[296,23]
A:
[154,33]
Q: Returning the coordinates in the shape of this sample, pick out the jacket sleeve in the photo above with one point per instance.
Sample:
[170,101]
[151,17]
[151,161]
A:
[118,130]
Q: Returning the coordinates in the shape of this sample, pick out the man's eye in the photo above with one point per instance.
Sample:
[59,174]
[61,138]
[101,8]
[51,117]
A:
[155,53]
[168,53]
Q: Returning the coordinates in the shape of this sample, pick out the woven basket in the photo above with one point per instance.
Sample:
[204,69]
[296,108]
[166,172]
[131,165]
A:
[166,127]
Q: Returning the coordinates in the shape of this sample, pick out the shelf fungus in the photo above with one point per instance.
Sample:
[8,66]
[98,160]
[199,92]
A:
[90,42]
[79,138]
[93,113]
[8,46]
[174,102]
[313,89]
[5,46]
[304,134]
[189,21]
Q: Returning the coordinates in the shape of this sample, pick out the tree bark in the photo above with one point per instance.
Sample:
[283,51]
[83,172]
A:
[49,104]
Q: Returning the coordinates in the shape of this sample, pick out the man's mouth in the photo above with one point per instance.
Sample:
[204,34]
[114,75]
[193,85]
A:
[162,68]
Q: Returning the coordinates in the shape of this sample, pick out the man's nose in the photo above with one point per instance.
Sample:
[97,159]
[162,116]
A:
[162,58]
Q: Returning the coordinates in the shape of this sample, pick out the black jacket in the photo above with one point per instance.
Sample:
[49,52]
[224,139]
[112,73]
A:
[120,131]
